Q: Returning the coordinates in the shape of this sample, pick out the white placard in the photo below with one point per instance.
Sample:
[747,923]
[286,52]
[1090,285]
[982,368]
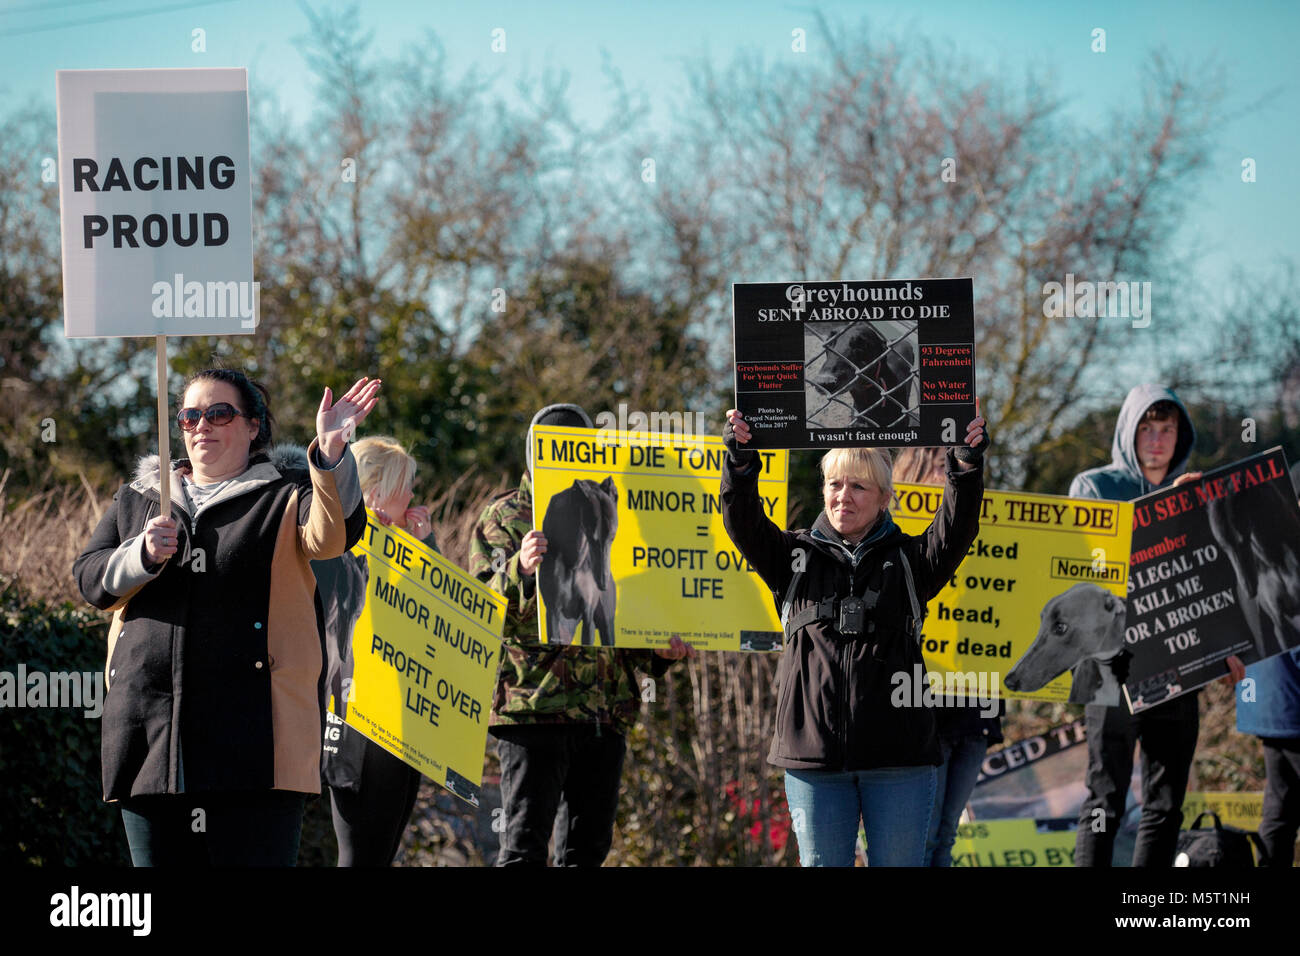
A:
[155,202]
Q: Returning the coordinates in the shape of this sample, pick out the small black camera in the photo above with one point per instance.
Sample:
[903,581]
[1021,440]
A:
[853,616]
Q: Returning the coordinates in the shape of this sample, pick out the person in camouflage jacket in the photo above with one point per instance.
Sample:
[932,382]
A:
[560,713]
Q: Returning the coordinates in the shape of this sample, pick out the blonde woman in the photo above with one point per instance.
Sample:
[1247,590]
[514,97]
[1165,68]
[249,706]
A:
[371,792]
[850,623]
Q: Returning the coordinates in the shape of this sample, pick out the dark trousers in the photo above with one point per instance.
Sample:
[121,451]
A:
[1168,736]
[1281,817]
[252,828]
[563,777]
[369,821]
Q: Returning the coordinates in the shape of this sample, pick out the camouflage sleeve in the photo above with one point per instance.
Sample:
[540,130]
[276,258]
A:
[494,559]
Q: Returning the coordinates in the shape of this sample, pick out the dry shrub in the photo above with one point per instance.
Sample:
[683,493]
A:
[455,511]
[43,532]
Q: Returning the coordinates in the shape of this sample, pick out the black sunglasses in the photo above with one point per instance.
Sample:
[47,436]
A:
[222,413]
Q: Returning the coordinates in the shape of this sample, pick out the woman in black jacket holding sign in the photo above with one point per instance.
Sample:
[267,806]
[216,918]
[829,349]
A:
[211,726]
[851,730]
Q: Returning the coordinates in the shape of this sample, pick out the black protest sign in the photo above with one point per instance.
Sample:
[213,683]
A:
[855,364]
[1214,571]
[1029,750]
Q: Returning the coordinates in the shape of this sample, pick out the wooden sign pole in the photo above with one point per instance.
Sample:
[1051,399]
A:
[164,432]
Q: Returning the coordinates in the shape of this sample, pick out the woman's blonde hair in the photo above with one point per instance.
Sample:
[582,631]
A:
[869,464]
[914,465]
[383,466]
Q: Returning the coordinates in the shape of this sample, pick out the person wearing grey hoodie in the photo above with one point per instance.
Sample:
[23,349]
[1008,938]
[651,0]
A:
[1153,441]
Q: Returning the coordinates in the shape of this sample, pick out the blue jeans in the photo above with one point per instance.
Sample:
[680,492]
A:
[246,828]
[894,805]
[954,780]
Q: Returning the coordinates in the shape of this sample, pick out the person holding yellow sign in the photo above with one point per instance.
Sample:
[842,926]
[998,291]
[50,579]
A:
[853,586]
[372,792]
[560,713]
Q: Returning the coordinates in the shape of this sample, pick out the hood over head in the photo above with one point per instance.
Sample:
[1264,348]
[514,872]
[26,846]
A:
[562,415]
[1123,449]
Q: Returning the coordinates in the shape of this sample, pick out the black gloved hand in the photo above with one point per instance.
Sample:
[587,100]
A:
[973,456]
[740,457]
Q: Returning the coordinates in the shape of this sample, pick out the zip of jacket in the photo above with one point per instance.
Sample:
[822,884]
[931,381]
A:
[846,664]
[846,667]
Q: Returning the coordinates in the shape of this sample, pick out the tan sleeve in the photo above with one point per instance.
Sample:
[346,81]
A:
[335,493]
[114,629]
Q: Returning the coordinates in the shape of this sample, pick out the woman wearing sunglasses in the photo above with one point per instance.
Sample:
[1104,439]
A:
[212,722]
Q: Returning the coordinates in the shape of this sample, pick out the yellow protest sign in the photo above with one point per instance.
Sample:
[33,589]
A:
[1029,842]
[1020,842]
[1031,549]
[425,654]
[636,550]
[1241,810]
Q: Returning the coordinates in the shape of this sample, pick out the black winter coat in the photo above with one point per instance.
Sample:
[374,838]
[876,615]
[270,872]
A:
[834,709]
[215,657]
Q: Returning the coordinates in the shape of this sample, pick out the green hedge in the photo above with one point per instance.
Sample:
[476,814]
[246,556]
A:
[51,807]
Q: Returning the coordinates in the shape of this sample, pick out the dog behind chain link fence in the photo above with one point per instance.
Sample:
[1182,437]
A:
[861,374]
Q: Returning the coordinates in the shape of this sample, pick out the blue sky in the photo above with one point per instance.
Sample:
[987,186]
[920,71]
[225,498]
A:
[1231,224]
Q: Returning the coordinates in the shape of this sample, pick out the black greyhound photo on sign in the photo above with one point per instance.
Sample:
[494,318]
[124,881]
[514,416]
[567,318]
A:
[843,364]
[577,586]
[1214,571]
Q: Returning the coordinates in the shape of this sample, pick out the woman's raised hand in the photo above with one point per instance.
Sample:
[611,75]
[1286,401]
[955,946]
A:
[971,454]
[336,422]
[734,434]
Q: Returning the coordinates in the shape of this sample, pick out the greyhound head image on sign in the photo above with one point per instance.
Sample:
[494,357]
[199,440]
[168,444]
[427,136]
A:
[574,578]
[861,373]
[1082,630]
